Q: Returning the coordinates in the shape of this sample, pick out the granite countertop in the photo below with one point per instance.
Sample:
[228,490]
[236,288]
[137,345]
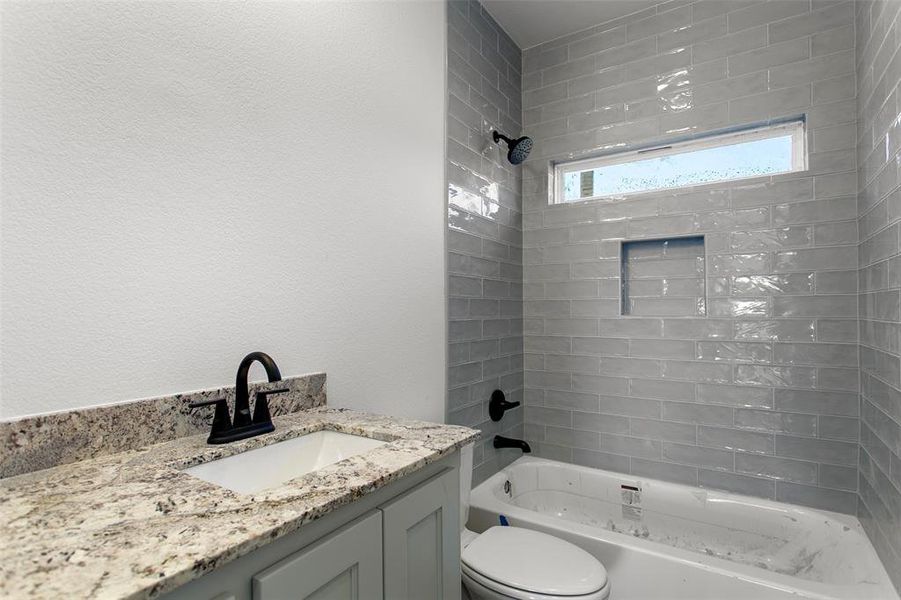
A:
[132,525]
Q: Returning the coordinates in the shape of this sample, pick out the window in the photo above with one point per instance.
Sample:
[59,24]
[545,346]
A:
[756,152]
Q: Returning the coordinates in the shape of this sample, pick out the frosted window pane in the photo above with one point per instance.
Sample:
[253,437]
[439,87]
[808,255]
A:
[695,167]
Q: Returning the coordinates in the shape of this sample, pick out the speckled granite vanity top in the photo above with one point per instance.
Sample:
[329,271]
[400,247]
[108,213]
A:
[132,525]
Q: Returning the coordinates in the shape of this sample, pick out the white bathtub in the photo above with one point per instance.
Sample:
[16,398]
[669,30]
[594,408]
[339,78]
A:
[669,541]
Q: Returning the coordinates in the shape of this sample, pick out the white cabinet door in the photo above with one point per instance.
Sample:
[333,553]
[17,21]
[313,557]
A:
[422,541]
[347,565]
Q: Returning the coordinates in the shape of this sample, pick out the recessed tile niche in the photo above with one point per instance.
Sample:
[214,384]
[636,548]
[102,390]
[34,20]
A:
[664,277]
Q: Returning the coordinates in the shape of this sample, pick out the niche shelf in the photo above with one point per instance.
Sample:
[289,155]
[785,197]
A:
[664,277]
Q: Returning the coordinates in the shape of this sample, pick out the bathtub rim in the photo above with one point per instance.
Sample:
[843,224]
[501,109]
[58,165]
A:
[483,498]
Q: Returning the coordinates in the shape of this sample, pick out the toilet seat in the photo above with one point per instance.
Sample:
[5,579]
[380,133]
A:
[514,562]
[486,589]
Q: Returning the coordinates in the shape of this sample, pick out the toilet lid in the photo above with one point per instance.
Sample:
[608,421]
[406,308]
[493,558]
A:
[534,562]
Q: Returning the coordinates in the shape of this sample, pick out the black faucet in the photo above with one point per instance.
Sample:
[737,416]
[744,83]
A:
[505,442]
[244,426]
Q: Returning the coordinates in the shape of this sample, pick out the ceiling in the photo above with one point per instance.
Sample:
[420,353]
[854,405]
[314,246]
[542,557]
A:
[532,22]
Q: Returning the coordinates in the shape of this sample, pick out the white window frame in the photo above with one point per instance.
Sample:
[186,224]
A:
[797,129]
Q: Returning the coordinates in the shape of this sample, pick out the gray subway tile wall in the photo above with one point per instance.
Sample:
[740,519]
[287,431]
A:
[759,396]
[484,229]
[879,225]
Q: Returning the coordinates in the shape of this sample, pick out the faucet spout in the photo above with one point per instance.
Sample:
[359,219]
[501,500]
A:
[242,395]
[505,442]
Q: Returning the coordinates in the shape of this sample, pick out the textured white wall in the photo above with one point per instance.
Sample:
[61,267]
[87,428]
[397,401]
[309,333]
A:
[186,182]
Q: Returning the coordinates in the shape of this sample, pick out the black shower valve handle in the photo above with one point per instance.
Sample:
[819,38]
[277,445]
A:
[499,405]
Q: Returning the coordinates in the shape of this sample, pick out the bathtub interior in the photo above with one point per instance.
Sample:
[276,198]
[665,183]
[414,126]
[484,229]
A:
[814,545]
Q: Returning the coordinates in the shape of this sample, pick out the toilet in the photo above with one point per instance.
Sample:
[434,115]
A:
[505,563]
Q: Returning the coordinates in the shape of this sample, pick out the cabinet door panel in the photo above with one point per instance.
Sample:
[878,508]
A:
[346,585]
[347,565]
[422,541]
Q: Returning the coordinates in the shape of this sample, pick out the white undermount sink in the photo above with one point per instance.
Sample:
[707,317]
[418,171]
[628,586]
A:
[263,468]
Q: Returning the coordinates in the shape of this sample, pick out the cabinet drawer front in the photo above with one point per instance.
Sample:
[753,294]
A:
[422,541]
[347,565]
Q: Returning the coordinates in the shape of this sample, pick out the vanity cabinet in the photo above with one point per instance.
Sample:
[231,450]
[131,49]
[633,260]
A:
[422,542]
[347,565]
[399,543]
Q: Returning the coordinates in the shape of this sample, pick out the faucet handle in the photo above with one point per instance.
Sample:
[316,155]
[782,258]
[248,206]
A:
[499,405]
[221,421]
[261,406]
[206,402]
[267,392]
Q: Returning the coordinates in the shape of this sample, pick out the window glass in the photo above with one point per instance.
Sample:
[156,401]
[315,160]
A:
[751,153]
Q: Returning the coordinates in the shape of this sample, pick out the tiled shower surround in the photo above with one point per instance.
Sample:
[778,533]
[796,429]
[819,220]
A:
[789,387]
[484,230]
[760,396]
[879,224]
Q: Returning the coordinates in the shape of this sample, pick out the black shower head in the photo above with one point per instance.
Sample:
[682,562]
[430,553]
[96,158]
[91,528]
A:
[518,149]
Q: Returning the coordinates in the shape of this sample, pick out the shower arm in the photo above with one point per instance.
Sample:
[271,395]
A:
[500,136]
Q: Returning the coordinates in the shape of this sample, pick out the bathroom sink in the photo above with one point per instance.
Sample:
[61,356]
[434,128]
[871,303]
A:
[263,468]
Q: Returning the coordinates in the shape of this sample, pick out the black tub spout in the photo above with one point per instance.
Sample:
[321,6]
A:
[505,442]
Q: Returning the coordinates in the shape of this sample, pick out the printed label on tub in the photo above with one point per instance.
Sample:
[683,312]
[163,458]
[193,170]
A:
[631,502]
[633,513]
